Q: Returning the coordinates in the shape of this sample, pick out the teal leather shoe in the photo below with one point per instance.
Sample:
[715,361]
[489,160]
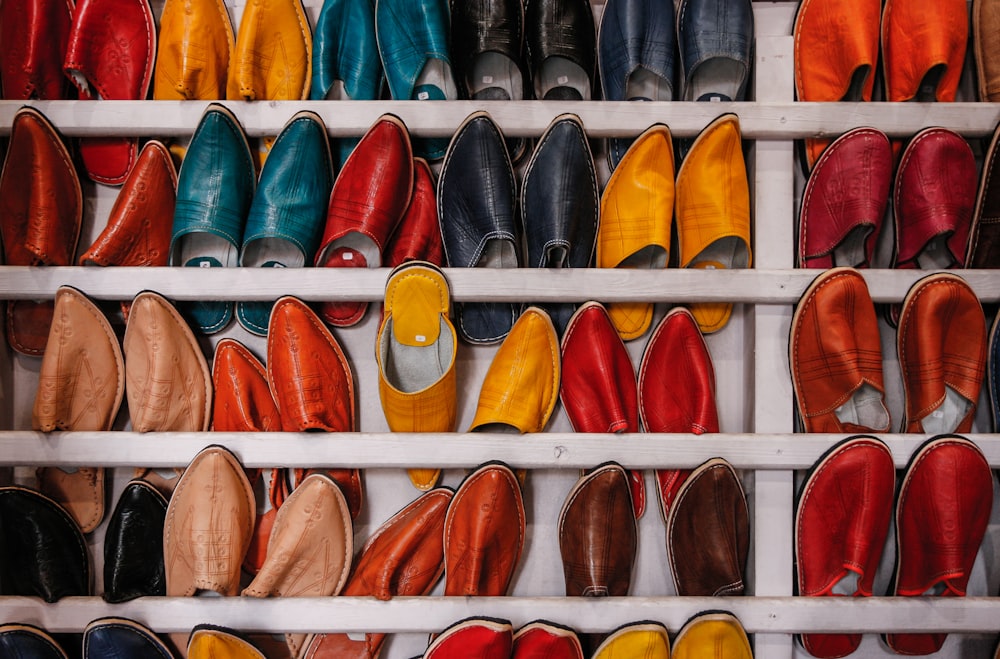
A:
[288,212]
[215,186]
[346,62]
[413,43]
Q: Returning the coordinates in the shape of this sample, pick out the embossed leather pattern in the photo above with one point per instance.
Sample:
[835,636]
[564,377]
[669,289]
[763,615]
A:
[41,206]
[484,533]
[946,497]
[194,48]
[110,56]
[842,519]
[42,549]
[708,532]
[598,534]
[133,544]
[207,530]
[676,390]
[34,34]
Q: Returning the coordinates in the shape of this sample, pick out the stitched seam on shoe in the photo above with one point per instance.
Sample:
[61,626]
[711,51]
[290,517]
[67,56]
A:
[988,175]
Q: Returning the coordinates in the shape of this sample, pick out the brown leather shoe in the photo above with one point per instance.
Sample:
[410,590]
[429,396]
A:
[708,532]
[984,237]
[311,382]
[139,225]
[598,534]
[986,44]
[168,386]
[81,384]
[941,345]
[41,207]
[835,355]
[405,556]
[484,533]
[34,34]
[311,546]
[205,537]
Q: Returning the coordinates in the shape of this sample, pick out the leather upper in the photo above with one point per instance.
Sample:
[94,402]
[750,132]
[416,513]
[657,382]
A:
[637,208]
[123,639]
[712,634]
[369,198]
[844,202]
[676,388]
[942,512]
[418,236]
[110,56]
[209,642]
[208,526]
[941,344]
[194,47]
[640,639]
[29,642]
[559,204]
[482,34]
[710,32]
[841,522]
[167,382]
[34,34]
[484,533]
[713,209]
[708,532]
[933,201]
[598,534]
[476,199]
[836,355]
[42,549]
[272,59]
[561,30]
[923,49]
[41,209]
[345,50]
[410,34]
[984,238]
[243,401]
[483,638]
[544,640]
[133,544]
[986,42]
[521,386]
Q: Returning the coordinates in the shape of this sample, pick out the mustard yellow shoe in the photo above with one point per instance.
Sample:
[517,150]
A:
[713,210]
[209,642]
[716,634]
[521,386]
[194,46]
[415,351]
[645,640]
[273,56]
[636,210]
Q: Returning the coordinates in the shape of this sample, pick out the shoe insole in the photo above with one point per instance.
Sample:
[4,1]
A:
[716,79]
[936,255]
[435,82]
[272,253]
[206,250]
[560,72]
[947,416]
[851,250]
[497,71]
[729,252]
[498,254]
[353,249]
[650,257]
[411,368]
[846,585]
[865,408]
[644,85]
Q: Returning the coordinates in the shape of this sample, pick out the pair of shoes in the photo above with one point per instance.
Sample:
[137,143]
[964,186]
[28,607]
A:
[836,356]
[403,557]
[598,534]
[713,633]
[837,50]
[110,56]
[41,204]
[493,638]
[711,199]
[847,192]
[313,527]
[636,57]
[224,217]
[35,35]
[842,519]
[675,391]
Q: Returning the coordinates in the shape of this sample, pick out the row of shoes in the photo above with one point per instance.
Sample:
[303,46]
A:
[384,208]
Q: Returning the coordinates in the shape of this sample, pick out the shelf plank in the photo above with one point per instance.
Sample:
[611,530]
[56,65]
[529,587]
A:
[776,286]
[585,614]
[465,450]
[765,120]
